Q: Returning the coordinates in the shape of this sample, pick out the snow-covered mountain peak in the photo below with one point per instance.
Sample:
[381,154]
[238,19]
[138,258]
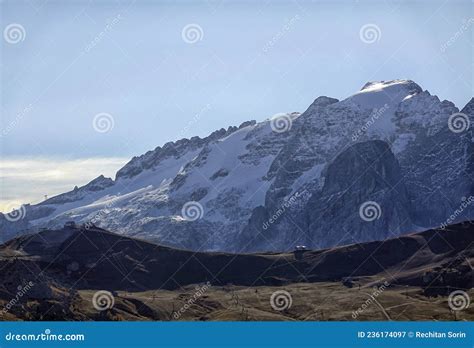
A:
[320,102]
[100,183]
[324,101]
[238,178]
[375,95]
[408,85]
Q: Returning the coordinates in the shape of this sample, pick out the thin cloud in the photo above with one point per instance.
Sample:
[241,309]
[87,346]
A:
[26,180]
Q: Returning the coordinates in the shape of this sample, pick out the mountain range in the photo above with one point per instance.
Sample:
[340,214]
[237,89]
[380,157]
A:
[388,160]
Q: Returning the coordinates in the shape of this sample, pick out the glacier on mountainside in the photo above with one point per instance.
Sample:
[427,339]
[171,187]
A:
[390,143]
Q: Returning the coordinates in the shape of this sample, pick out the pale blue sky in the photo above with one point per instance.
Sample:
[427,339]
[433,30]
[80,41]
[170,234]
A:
[254,59]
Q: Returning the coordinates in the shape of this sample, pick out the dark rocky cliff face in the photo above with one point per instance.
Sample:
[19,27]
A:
[363,198]
[365,173]
[469,111]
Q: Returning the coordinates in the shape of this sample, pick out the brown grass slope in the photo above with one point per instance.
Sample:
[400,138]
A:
[151,281]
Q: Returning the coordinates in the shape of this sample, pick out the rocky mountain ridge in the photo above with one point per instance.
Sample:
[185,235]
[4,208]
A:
[392,147]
